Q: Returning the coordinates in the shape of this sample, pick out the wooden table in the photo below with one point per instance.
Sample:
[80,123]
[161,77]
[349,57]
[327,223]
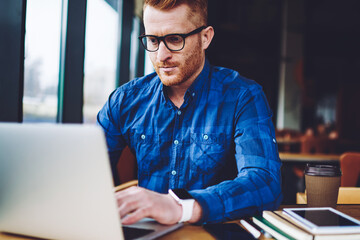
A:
[288,144]
[307,157]
[191,232]
[347,195]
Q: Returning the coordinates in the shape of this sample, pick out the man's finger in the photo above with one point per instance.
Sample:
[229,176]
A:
[126,194]
[127,207]
[135,216]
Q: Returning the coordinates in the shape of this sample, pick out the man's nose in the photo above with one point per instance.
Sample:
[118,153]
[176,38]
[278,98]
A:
[163,53]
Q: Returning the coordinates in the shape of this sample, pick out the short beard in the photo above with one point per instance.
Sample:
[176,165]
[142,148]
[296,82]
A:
[190,67]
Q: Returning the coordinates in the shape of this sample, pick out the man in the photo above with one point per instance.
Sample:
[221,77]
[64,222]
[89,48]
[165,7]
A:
[192,126]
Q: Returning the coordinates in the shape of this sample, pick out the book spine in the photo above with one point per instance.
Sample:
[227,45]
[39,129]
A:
[286,226]
[271,229]
[252,228]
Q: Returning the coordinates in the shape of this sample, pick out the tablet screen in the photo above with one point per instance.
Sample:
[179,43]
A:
[325,218]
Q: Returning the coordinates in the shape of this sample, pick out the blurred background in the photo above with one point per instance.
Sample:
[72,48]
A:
[60,60]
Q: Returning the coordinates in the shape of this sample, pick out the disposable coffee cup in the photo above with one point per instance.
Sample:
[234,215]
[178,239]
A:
[322,184]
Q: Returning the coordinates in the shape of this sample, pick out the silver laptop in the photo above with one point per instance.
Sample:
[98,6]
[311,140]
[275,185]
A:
[55,182]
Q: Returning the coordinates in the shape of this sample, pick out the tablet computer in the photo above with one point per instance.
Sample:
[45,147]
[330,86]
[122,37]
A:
[323,220]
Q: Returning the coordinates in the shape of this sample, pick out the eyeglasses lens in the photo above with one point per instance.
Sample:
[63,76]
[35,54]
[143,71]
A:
[173,42]
[150,43]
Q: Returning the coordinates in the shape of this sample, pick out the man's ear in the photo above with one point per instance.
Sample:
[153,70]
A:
[207,36]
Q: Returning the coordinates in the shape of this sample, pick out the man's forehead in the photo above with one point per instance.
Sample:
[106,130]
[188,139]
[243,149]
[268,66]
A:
[175,20]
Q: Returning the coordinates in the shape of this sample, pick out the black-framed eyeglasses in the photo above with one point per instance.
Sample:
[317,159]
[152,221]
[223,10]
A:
[173,42]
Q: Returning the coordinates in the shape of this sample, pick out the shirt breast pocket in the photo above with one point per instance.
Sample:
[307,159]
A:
[207,152]
[147,151]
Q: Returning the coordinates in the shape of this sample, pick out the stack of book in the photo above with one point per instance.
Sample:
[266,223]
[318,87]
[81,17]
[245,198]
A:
[282,226]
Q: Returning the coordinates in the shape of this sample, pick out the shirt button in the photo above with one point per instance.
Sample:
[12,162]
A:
[193,94]
[274,140]
[173,172]
[179,112]
[206,137]
[143,136]
[176,142]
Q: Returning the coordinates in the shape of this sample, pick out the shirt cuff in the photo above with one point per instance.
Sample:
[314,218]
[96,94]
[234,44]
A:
[211,205]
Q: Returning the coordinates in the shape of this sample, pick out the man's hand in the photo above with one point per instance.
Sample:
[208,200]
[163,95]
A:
[136,203]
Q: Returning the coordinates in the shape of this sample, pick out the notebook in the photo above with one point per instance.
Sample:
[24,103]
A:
[55,182]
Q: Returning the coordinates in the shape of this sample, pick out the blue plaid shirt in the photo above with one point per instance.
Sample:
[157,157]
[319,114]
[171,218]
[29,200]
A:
[220,144]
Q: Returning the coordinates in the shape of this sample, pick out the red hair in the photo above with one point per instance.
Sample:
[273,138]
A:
[198,7]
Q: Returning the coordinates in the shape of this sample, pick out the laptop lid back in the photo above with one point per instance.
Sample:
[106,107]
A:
[55,182]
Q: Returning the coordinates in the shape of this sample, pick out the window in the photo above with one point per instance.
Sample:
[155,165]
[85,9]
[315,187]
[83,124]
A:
[100,56]
[41,67]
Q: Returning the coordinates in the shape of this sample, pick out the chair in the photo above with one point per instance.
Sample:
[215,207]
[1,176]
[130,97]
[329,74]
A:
[308,144]
[350,167]
[126,185]
[288,140]
[318,144]
[126,167]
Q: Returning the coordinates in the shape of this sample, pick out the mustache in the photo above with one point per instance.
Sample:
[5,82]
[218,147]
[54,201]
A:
[166,64]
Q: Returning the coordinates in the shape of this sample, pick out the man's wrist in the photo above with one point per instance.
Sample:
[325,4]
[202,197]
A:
[186,201]
[197,213]
[187,210]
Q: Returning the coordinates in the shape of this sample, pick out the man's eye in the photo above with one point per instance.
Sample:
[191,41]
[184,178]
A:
[151,40]
[174,39]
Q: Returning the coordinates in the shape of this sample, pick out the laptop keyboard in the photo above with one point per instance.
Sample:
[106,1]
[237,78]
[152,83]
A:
[133,233]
